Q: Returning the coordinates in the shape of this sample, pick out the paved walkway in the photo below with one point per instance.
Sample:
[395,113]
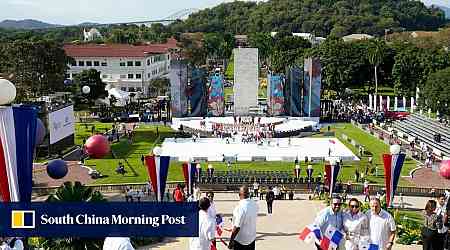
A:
[279,231]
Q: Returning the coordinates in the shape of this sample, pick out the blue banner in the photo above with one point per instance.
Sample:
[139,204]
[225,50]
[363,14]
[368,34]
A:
[95,220]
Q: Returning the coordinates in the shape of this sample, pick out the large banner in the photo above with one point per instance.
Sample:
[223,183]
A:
[216,96]
[312,85]
[61,124]
[292,91]
[196,93]
[178,83]
[275,94]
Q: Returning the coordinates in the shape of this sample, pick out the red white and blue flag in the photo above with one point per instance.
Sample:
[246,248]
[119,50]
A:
[332,172]
[370,246]
[331,239]
[158,168]
[17,141]
[392,167]
[189,172]
[310,234]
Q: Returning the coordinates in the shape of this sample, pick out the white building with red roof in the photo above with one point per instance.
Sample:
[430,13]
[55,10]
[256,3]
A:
[126,67]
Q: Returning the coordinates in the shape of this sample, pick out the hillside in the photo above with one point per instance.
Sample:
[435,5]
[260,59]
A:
[321,17]
[445,9]
[25,24]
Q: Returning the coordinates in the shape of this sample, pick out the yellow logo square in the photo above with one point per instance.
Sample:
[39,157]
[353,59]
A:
[22,219]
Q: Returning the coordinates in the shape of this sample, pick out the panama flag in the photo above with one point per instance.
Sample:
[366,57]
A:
[331,239]
[393,164]
[332,172]
[297,171]
[158,167]
[369,246]
[189,171]
[310,234]
[17,141]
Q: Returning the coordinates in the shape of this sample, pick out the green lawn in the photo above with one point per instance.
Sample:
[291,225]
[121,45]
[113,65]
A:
[83,130]
[145,139]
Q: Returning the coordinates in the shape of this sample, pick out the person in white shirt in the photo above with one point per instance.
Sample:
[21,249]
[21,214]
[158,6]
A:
[206,228]
[11,244]
[117,243]
[197,193]
[356,225]
[255,189]
[381,226]
[243,234]
[441,210]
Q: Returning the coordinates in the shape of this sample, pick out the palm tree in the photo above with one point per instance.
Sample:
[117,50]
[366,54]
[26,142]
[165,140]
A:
[74,192]
[376,51]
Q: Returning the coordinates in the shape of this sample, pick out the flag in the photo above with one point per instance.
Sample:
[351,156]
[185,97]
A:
[297,172]
[219,225]
[332,141]
[189,171]
[17,141]
[392,167]
[311,233]
[331,239]
[365,245]
[332,172]
[158,167]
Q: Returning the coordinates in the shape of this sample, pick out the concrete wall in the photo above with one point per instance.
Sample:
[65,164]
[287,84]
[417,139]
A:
[245,80]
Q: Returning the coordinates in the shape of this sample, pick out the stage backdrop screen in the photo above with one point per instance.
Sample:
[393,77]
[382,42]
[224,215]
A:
[312,85]
[216,96]
[275,94]
[61,124]
[178,83]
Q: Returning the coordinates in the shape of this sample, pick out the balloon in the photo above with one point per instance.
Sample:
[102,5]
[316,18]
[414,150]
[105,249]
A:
[40,132]
[57,169]
[108,87]
[86,90]
[157,150]
[97,146]
[395,149]
[7,93]
[444,169]
[67,82]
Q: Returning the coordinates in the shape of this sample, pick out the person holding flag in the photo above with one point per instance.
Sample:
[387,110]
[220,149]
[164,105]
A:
[206,228]
[381,226]
[356,225]
[330,216]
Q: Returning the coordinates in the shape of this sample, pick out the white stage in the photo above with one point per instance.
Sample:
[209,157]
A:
[214,149]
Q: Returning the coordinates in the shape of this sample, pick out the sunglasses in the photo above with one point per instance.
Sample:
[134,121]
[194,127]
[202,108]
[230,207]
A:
[354,206]
[337,204]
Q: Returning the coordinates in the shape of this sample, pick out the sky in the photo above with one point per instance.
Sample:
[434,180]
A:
[69,12]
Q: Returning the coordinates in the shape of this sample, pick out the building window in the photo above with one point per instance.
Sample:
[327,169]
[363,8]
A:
[129,63]
[104,64]
[168,57]
[104,76]
[138,76]
[88,63]
[81,63]
[151,58]
[138,89]
[130,89]
[130,76]
[123,89]
[96,63]
[74,63]
[137,63]
[149,75]
[67,76]
[122,64]
[148,62]
[123,76]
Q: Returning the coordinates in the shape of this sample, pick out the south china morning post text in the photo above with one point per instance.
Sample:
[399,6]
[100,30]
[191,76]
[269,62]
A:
[117,219]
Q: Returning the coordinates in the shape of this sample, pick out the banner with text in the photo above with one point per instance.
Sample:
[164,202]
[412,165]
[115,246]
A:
[111,219]
[61,124]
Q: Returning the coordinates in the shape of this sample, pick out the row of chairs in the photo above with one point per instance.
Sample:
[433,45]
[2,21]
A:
[254,173]
[261,180]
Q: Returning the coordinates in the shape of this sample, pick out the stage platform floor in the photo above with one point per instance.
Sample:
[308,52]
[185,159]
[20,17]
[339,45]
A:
[214,149]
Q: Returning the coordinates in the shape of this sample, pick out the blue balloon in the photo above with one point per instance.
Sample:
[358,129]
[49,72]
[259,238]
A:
[57,169]
[67,82]
[40,132]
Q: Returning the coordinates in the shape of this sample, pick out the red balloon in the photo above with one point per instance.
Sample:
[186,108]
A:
[444,169]
[97,146]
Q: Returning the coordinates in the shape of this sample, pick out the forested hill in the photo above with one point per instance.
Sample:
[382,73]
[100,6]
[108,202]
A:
[321,17]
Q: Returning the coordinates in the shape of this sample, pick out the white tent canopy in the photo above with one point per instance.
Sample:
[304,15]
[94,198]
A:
[121,96]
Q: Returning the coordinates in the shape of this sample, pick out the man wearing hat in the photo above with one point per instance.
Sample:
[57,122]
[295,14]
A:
[330,216]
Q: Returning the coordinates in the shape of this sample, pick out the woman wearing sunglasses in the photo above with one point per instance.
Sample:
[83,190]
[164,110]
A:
[356,225]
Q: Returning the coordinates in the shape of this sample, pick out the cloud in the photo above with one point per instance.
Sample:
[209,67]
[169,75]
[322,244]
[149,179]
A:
[29,3]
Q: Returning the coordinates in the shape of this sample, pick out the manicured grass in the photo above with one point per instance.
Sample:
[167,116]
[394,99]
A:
[145,139]
[83,130]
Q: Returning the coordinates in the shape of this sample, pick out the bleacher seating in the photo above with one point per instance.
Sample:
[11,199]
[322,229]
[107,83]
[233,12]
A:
[249,176]
[425,130]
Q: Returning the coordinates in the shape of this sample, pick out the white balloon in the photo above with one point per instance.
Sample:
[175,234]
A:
[157,151]
[8,92]
[395,149]
[86,90]
[108,87]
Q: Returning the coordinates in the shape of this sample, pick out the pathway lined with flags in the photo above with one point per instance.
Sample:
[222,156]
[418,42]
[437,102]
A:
[276,232]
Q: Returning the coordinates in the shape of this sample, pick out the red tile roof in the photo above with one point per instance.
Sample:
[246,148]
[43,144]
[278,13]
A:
[118,50]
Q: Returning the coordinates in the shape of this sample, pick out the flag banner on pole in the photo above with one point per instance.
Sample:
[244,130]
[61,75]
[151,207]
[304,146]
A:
[198,172]
[189,171]
[297,172]
[331,239]
[309,172]
[392,167]
[17,141]
[158,168]
[310,234]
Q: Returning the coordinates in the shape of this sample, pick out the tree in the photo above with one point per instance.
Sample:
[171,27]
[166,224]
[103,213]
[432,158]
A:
[159,86]
[90,78]
[375,55]
[74,192]
[437,92]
